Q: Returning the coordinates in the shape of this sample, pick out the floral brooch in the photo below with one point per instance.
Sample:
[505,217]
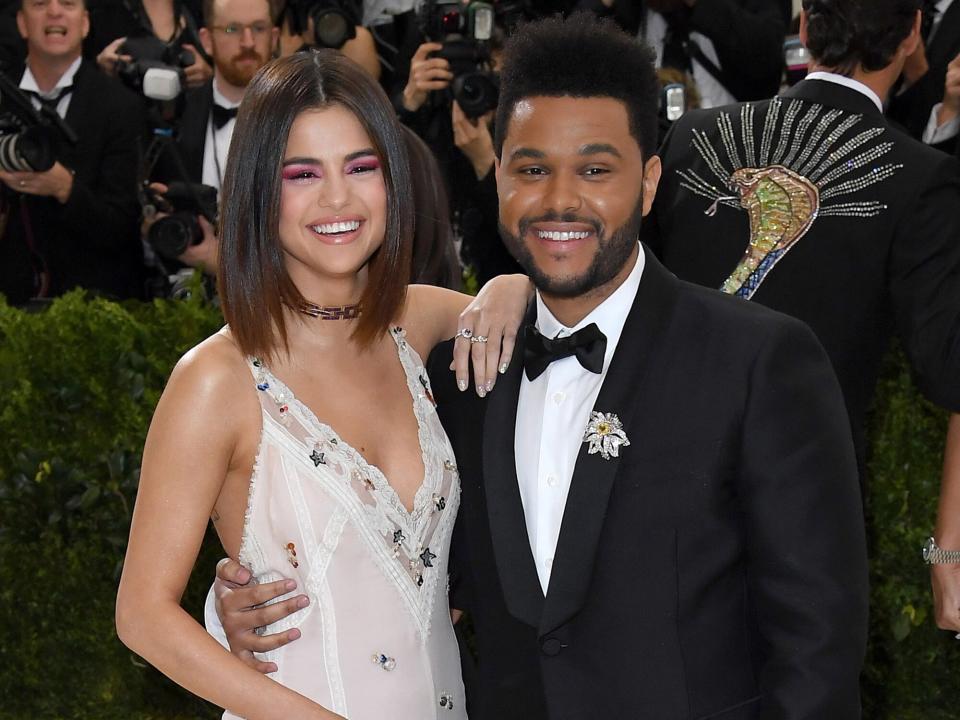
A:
[605,435]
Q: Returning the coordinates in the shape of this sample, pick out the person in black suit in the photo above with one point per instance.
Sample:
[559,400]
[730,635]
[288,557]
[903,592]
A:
[241,37]
[732,48]
[660,516]
[859,235]
[74,225]
[915,104]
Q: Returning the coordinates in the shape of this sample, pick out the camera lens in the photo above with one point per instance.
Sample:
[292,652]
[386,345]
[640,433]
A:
[29,151]
[172,235]
[332,28]
[476,93]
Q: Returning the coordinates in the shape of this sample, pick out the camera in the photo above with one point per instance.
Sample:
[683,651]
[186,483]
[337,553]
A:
[25,148]
[334,21]
[29,138]
[170,236]
[465,34]
[156,69]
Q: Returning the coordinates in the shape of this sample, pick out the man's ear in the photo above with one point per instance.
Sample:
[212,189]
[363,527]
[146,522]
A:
[651,180]
[21,24]
[206,40]
[912,41]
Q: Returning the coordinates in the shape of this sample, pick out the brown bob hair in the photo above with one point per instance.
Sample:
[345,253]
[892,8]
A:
[253,280]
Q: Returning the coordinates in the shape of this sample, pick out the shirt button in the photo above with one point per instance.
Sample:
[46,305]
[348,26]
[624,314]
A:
[548,563]
[559,397]
[551,480]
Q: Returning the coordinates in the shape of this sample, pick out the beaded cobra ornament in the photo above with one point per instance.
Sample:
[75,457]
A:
[784,189]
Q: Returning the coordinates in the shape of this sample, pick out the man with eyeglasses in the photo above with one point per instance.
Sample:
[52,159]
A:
[241,37]
[73,223]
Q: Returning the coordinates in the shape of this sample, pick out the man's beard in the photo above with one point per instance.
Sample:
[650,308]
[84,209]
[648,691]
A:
[608,260]
[241,76]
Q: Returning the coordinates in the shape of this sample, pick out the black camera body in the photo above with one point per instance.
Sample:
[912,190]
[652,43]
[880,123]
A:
[156,69]
[334,21]
[464,33]
[185,202]
[29,138]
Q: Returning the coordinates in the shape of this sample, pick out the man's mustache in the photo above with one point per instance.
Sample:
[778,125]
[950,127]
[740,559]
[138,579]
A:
[247,55]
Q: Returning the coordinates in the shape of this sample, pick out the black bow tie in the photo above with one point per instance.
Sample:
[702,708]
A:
[222,115]
[588,344]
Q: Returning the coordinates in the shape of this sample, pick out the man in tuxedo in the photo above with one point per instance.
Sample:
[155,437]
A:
[241,37]
[75,224]
[732,49]
[868,241]
[660,516]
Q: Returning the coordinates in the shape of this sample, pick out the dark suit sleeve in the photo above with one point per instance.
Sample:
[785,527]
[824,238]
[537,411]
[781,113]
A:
[748,37]
[806,555]
[102,207]
[925,285]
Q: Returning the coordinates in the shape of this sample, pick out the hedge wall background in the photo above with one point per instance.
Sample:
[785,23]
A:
[78,383]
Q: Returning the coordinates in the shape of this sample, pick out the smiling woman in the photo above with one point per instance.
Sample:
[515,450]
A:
[306,428]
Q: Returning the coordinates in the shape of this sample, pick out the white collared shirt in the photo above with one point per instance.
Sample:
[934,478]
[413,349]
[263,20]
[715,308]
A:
[552,413]
[712,93]
[215,154]
[847,82]
[29,82]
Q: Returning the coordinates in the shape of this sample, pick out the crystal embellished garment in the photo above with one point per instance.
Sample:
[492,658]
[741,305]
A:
[377,641]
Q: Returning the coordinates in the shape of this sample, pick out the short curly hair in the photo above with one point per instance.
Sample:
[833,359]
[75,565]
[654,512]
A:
[581,56]
[842,34]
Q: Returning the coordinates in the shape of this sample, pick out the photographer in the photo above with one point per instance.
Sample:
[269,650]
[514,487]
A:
[240,37]
[74,224]
[114,22]
[443,69]
[328,23]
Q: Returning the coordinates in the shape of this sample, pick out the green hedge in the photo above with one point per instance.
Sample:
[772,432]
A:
[78,383]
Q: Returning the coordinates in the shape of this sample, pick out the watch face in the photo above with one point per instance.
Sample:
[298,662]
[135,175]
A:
[928,549]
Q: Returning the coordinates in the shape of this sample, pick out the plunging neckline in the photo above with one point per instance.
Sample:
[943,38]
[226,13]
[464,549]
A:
[326,429]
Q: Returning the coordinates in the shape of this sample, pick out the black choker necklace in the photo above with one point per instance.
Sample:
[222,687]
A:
[331,312]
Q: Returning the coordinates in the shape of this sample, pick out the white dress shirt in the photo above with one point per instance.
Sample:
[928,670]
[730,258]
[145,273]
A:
[712,93]
[217,143]
[29,83]
[847,82]
[552,414]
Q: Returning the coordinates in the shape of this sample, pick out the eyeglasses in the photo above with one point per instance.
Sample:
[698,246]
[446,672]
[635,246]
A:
[258,29]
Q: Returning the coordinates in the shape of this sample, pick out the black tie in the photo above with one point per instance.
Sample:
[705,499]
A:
[222,115]
[928,19]
[588,344]
[51,102]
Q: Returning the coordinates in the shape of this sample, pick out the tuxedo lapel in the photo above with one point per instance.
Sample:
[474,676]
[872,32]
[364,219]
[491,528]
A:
[508,527]
[622,393]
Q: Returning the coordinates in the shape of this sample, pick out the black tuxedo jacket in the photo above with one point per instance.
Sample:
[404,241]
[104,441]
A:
[93,240]
[747,35]
[190,139]
[912,107]
[851,279]
[715,569]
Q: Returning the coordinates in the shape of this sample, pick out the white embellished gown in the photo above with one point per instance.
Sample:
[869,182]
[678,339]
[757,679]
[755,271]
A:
[377,642]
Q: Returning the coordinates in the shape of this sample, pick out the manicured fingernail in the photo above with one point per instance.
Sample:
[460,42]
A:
[489,385]
[481,391]
[503,368]
[293,634]
[290,585]
[303,601]
[462,384]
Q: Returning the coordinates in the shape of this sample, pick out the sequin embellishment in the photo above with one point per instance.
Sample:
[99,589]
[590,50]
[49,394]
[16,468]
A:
[784,189]
[385,662]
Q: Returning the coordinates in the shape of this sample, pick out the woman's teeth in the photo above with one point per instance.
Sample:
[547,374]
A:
[337,227]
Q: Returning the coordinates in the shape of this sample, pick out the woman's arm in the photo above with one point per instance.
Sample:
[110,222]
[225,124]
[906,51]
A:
[946,578]
[202,431]
[436,314]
